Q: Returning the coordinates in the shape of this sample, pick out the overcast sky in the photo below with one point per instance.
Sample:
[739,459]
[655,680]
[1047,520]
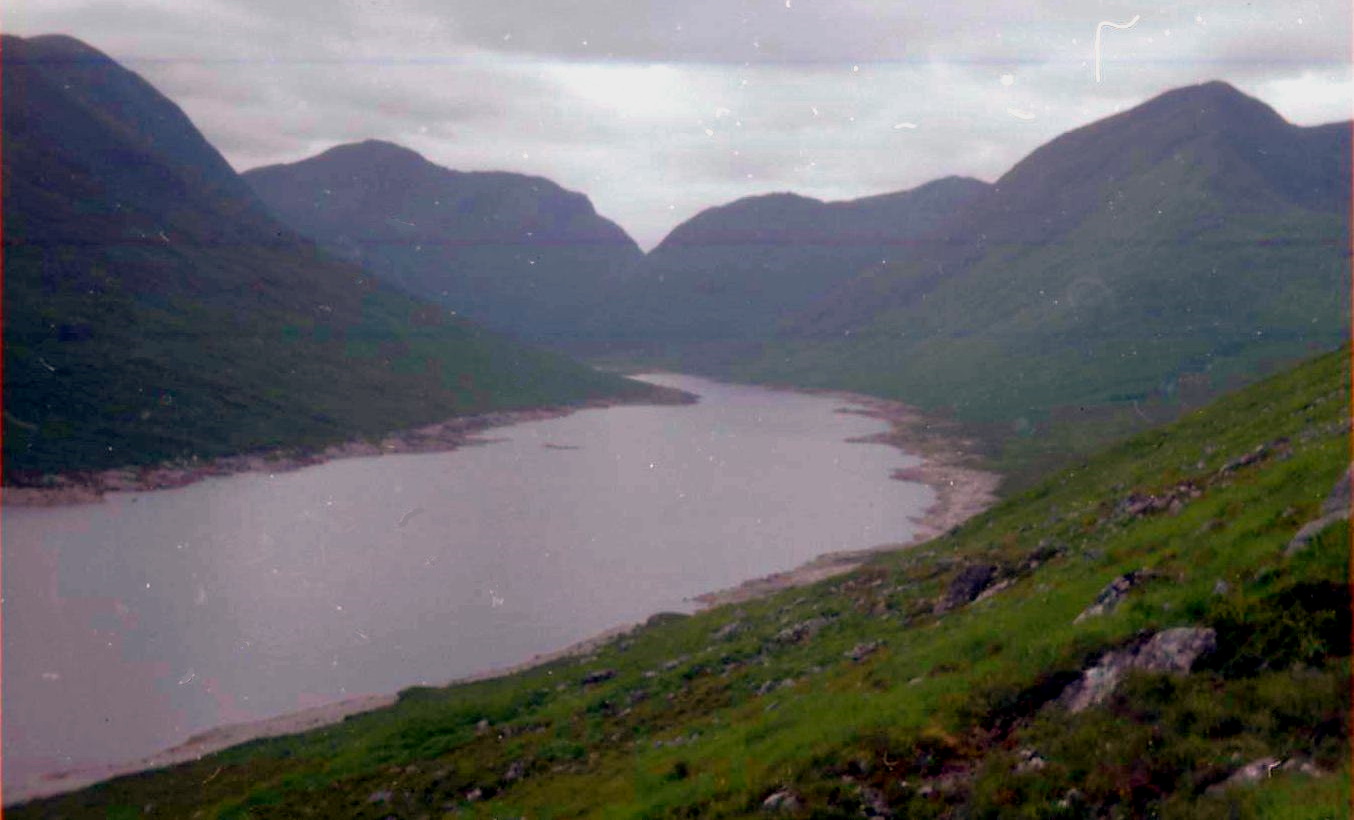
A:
[659,108]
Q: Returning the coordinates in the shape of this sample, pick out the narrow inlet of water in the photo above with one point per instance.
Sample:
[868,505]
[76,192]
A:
[132,624]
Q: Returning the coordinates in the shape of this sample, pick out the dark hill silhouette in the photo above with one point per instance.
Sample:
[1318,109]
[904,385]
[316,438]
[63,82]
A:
[155,310]
[518,253]
[737,271]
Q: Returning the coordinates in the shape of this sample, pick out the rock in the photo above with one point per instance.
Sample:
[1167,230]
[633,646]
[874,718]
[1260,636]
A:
[1030,761]
[796,633]
[1247,460]
[966,586]
[474,795]
[380,797]
[1112,594]
[1221,587]
[1302,765]
[1173,650]
[727,631]
[782,802]
[872,800]
[1073,798]
[1250,773]
[998,587]
[598,676]
[482,728]
[516,771]
[861,651]
[1095,684]
[1337,503]
[1334,508]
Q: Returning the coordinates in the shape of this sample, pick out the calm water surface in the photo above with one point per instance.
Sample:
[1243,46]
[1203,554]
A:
[132,624]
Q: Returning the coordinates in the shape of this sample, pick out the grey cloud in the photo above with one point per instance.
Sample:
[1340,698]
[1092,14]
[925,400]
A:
[511,85]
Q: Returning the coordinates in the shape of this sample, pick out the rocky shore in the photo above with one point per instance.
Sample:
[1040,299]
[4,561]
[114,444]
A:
[456,432]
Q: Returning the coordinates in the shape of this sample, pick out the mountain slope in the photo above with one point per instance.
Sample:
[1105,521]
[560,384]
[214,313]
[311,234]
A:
[154,310]
[1198,235]
[738,271]
[517,253]
[947,680]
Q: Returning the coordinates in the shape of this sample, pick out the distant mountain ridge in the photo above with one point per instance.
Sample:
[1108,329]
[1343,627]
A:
[737,272]
[154,310]
[516,252]
[1196,235]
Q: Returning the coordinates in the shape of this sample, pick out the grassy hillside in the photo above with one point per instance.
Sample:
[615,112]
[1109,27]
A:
[1169,252]
[926,684]
[154,310]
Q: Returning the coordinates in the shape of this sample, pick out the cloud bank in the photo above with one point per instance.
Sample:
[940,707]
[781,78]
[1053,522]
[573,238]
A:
[657,110]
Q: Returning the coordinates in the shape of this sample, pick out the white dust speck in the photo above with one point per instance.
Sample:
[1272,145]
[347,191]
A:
[905,125]
[1008,79]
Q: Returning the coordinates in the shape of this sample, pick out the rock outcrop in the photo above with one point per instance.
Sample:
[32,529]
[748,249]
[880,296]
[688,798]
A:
[1334,508]
[1172,650]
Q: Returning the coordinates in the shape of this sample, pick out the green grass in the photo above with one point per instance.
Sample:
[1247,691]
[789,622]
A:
[708,715]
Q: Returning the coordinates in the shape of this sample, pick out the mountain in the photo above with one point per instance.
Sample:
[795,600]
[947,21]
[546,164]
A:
[1162,631]
[1198,236]
[737,271]
[518,253]
[155,310]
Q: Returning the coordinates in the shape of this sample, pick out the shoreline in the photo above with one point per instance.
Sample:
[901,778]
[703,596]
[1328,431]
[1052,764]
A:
[962,490]
[89,487]
[947,467]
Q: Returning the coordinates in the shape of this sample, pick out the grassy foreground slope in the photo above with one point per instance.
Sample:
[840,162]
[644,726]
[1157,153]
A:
[892,691]
[155,311]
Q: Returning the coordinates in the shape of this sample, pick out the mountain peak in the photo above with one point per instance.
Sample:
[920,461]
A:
[1214,98]
[59,47]
[373,153]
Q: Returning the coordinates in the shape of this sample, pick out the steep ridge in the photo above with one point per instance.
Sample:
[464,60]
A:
[1196,235]
[515,252]
[154,310]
